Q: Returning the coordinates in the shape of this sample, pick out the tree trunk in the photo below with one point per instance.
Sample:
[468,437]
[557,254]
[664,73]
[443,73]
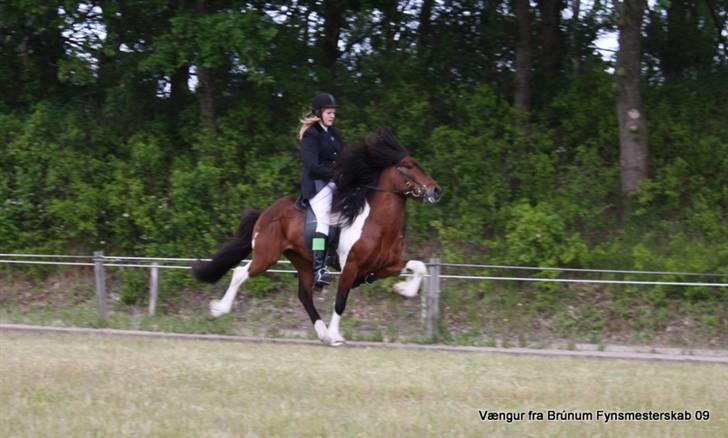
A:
[391,23]
[206,92]
[551,37]
[51,50]
[522,95]
[574,40]
[207,89]
[109,55]
[179,91]
[632,122]
[423,30]
[333,20]
[678,41]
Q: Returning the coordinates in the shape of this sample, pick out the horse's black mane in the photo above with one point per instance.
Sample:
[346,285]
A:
[358,169]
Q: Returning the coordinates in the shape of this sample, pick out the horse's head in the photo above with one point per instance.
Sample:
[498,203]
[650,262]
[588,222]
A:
[413,181]
[379,164]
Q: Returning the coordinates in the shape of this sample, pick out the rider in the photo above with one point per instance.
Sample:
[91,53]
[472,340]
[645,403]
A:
[320,145]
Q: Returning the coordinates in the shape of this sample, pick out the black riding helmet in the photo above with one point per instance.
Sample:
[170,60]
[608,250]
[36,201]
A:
[323,100]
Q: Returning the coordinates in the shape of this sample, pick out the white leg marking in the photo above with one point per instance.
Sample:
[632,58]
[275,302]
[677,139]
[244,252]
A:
[321,331]
[335,338]
[350,235]
[409,287]
[221,307]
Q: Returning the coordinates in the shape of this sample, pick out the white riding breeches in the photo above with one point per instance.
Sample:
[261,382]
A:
[321,206]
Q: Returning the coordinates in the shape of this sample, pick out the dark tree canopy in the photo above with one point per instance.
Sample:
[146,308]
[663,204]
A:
[137,125]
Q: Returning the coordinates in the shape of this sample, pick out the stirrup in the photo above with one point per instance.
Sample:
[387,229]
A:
[322,278]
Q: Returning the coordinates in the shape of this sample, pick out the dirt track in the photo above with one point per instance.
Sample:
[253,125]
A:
[579,350]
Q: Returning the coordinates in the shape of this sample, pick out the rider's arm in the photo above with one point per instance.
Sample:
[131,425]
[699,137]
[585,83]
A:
[310,154]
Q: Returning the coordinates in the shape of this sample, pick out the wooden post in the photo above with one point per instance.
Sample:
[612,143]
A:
[100,285]
[432,300]
[424,298]
[153,288]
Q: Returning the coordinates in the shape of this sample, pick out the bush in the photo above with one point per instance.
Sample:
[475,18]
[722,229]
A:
[537,236]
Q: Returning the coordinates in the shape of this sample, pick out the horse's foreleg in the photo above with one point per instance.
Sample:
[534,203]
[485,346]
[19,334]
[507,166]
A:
[408,288]
[342,294]
[305,293]
[334,337]
[221,307]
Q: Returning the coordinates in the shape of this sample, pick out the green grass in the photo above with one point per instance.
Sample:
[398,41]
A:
[104,386]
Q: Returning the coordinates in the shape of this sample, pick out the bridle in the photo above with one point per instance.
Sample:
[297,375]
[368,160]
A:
[415,190]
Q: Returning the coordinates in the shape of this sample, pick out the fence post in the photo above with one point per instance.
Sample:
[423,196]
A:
[153,288]
[100,285]
[424,298]
[432,300]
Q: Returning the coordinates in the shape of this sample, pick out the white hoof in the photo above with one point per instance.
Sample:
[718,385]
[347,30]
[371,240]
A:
[216,310]
[402,289]
[336,340]
[321,331]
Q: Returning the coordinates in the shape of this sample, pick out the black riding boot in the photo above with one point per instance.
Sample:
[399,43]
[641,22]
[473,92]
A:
[321,277]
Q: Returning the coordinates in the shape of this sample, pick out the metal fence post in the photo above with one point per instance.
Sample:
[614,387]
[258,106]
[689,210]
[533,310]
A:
[153,288]
[100,285]
[432,300]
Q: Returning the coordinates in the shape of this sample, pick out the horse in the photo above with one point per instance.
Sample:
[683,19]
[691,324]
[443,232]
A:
[373,179]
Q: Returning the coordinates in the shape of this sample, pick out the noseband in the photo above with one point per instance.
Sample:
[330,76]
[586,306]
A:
[416,190]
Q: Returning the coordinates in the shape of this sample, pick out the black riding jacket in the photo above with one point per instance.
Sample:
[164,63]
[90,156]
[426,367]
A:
[319,150]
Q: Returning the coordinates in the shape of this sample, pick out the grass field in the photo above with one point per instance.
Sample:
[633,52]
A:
[77,386]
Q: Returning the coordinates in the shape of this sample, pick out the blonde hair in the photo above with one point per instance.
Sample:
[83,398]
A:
[306,122]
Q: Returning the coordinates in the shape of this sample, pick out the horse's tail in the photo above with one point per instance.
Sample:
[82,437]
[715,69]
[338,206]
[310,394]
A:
[239,247]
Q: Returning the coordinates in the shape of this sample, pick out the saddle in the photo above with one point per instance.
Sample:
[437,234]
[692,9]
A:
[309,228]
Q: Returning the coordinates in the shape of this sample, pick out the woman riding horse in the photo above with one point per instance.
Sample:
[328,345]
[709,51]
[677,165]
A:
[320,145]
[373,182]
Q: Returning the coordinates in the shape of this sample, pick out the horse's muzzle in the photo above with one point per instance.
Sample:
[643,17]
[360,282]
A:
[433,196]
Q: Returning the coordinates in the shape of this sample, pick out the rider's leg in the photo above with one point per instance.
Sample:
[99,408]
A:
[321,206]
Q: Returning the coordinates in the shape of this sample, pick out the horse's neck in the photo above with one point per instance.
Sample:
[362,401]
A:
[387,207]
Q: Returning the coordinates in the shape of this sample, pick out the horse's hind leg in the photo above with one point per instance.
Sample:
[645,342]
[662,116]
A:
[409,287]
[263,259]
[221,307]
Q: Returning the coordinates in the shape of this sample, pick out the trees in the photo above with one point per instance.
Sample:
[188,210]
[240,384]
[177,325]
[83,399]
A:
[190,107]
[32,50]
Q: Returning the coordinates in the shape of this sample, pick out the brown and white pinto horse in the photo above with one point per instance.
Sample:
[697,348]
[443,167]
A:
[373,182]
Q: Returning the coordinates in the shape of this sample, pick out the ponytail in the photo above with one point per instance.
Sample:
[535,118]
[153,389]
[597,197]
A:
[306,122]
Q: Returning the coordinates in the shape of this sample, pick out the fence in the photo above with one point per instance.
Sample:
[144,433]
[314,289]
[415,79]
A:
[430,298]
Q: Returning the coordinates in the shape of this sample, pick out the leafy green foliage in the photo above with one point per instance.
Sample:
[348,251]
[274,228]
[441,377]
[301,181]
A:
[103,143]
[537,236]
